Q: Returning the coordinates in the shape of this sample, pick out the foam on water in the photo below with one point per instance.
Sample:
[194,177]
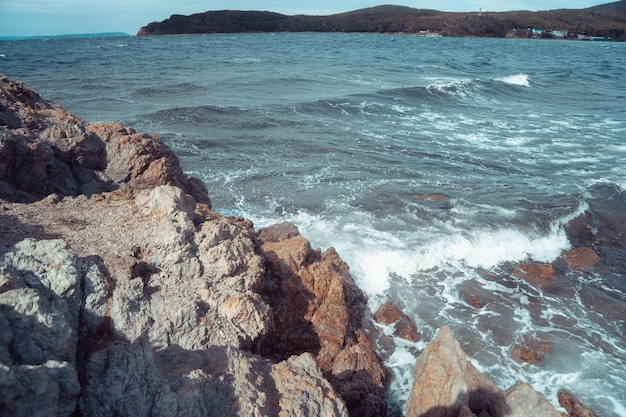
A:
[517,79]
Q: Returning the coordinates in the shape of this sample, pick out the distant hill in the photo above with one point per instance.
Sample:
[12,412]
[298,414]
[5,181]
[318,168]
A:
[607,20]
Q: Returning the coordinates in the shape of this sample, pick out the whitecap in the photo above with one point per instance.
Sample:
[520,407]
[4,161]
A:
[517,79]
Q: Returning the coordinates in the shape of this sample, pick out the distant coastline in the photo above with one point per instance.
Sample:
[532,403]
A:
[606,21]
[79,35]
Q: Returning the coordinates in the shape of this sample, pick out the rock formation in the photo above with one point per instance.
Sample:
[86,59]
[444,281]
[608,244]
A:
[123,293]
[403,326]
[573,406]
[446,384]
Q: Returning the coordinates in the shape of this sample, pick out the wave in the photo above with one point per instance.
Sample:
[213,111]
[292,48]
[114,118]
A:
[517,79]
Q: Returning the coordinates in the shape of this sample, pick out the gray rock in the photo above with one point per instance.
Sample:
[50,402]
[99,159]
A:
[40,300]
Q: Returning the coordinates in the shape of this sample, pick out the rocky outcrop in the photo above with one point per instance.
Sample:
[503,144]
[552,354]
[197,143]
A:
[122,293]
[446,384]
[388,314]
[44,150]
[316,304]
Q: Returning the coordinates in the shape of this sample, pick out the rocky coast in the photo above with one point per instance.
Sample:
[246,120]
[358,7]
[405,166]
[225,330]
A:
[122,293]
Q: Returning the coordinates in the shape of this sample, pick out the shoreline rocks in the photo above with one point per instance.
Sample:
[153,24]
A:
[123,293]
[446,384]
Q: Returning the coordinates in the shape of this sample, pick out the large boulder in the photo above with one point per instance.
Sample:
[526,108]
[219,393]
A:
[445,381]
[446,384]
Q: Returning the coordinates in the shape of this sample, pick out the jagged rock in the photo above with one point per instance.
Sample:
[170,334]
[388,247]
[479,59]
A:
[295,380]
[142,301]
[573,406]
[316,304]
[404,327]
[446,384]
[521,400]
[445,381]
[40,299]
[45,150]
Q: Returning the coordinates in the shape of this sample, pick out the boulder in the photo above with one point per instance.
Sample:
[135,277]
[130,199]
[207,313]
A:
[445,381]
[446,384]
[404,327]
[522,400]
[573,406]
[581,259]
[537,274]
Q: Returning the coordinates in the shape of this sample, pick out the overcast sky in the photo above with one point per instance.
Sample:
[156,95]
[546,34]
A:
[58,17]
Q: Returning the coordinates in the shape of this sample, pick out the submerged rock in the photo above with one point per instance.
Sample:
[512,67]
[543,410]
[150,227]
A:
[538,274]
[404,327]
[581,259]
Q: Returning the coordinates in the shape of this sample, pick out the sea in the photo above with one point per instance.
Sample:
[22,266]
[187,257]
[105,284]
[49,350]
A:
[434,166]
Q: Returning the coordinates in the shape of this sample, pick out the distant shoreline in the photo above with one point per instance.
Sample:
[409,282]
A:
[606,22]
[66,36]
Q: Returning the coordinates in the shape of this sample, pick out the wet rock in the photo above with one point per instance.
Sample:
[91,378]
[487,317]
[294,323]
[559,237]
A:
[581,259]
[537,274]
[316,304]
[573,406]
[404,327]
[602,226]
[530,350]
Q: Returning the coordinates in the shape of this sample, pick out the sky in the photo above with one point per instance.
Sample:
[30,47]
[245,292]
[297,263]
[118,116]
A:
[61,17]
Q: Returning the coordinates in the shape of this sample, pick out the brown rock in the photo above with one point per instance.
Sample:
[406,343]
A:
[573,406]
[151,300]
[44,150]
[537,274]
[446,384]
[581,259]
[317,307]
[445,381]
[531,350]
[433,197]
[404,327]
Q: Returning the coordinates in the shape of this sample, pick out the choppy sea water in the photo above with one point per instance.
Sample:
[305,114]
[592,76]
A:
[432,165]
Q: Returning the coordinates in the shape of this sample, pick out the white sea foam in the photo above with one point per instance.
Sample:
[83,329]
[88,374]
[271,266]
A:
[517,79]
[489,248]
